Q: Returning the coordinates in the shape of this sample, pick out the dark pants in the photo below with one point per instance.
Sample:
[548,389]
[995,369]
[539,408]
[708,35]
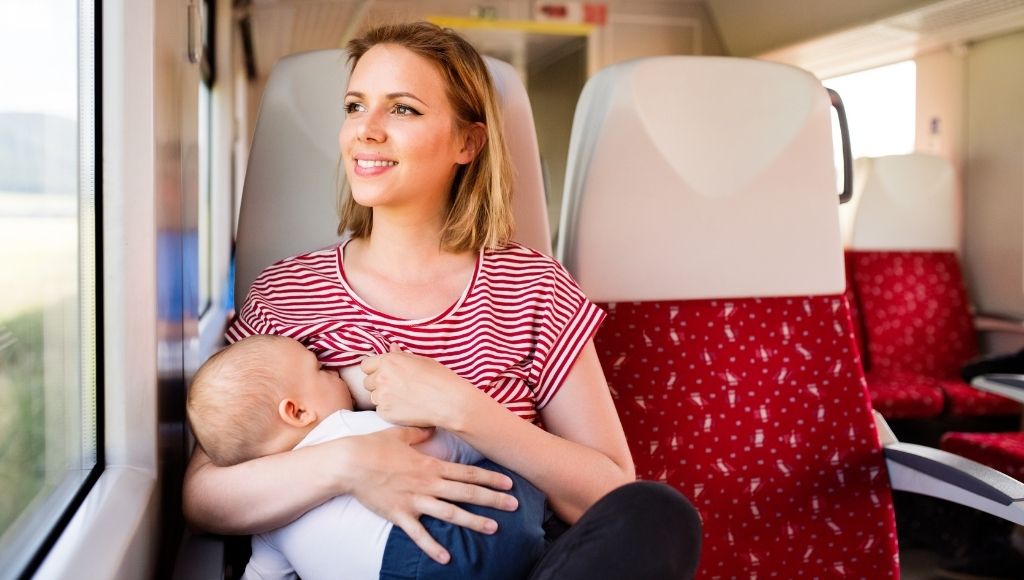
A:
[508,554]
[640,531]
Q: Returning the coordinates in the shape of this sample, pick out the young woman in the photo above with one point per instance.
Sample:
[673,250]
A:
[467,331]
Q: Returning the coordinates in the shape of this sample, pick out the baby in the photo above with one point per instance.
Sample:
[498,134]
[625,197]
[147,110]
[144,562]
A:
[267,394]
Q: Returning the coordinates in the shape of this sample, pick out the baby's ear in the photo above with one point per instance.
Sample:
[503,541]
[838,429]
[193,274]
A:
[293,413]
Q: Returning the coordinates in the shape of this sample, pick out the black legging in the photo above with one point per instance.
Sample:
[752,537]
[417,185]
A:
[640,531]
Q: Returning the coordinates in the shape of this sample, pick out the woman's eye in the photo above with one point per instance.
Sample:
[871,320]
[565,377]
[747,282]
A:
[353,108]
[405,110]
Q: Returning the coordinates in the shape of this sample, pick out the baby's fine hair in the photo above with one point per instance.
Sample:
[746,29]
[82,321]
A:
[232,402]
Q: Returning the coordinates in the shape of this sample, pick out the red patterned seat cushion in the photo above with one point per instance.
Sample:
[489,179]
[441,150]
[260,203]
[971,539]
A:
[915,311]
[913,306]
[856,319]
[1001,451]
[899,395]
[965,400]
[756,410]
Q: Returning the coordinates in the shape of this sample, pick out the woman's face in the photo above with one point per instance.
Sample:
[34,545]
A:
[399,141]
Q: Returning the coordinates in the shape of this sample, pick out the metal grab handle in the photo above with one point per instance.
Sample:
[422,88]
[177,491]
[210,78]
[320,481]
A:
[844,132]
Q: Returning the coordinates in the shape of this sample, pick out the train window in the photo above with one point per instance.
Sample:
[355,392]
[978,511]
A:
[880,108]
[50,444]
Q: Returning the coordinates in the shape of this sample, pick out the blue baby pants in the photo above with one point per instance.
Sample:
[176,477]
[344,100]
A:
[508,554]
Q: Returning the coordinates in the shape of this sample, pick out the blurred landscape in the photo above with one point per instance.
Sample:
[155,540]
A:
[38,285]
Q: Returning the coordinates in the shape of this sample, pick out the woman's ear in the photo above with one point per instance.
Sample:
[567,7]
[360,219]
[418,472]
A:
[293,413]
[474,139]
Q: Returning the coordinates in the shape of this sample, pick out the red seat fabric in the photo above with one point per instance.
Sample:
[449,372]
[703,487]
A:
[1001,451]
[915,311]
[965,400]
[915,315]
[756,410]
[899,395]
[857,319]
[894,394]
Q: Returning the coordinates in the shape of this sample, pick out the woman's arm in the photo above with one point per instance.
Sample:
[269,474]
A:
[582,456]
[380,469]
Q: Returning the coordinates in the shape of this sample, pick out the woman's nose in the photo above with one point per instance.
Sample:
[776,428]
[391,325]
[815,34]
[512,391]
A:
[372,128]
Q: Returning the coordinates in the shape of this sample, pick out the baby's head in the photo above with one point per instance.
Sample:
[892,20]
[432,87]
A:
[261,396]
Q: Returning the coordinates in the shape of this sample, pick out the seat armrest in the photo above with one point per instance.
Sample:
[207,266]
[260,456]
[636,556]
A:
[1007,385]
[947,476]
[984,322]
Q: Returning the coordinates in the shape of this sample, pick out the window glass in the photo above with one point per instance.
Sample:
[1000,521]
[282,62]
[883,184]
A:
[48,405]
[880,106]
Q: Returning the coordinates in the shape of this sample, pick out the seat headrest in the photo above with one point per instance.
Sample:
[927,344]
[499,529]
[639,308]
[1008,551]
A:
[905,202]
[289,198]
[701,177]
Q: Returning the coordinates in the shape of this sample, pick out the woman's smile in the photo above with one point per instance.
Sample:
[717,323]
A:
[399,141]
[372,165]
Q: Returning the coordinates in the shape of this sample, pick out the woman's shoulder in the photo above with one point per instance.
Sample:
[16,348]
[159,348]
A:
[316,259]
[516,253]
[318,263]
[517,264]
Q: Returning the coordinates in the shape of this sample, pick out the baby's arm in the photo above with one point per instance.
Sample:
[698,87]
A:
[442,444]
[267,563]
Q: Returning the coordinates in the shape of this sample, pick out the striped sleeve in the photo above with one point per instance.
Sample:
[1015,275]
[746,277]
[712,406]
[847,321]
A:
[250,320]
[571,322]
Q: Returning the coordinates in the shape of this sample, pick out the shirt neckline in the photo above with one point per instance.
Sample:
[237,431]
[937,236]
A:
[365,306]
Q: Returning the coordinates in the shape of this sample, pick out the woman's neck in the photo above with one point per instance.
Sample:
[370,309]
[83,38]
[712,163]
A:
[406,249]
[402,270]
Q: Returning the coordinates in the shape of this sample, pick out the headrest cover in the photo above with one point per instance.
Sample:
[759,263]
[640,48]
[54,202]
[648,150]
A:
[701,177]
[291,183]
[905,202]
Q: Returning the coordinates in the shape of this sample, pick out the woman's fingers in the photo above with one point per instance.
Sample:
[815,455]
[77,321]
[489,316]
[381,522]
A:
[370,364]
[419,535]
[473,494]
[453,514]
[475,475]
[401,484]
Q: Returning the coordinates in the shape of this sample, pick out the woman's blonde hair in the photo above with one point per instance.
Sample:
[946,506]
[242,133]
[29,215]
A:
[480,203]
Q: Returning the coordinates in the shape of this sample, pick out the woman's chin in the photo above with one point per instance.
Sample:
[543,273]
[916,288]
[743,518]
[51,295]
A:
[369,198]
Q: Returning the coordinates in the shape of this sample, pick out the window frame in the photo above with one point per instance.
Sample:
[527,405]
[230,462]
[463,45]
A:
[72,492]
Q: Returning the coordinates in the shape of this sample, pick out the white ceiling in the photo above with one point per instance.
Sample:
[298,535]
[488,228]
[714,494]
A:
[905,35]
[751,27]
[282,27]
[822,34]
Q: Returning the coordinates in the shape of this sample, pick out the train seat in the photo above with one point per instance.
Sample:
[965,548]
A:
[712,242]
[1001,451]
[893,394]
[294,172]
[902,261]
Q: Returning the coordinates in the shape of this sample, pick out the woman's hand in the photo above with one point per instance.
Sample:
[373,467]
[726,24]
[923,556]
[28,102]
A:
[414,390]
[400,484]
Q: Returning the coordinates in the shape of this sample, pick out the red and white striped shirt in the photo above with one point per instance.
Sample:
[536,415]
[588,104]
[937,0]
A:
[515,332]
